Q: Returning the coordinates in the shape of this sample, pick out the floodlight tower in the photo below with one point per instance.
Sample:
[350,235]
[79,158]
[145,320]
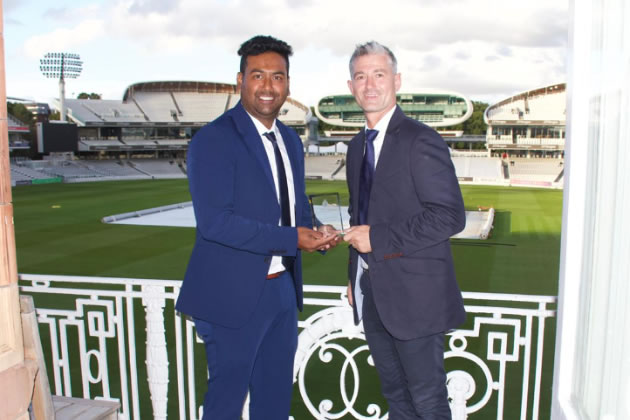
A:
[62,66]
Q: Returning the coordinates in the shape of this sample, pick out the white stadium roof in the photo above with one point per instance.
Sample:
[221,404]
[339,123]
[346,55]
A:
[170,103]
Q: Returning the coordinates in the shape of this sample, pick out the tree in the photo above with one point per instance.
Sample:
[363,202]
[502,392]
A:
[20,112]
[92,95]
[475,124]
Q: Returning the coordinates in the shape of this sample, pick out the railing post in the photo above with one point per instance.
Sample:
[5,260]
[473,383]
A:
[461,386]
[157,357]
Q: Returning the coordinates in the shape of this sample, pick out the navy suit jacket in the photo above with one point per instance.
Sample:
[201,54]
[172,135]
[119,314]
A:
[415,207]
[237,213]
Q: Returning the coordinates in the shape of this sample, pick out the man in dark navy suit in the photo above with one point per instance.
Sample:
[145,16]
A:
[405,204]
[243,284]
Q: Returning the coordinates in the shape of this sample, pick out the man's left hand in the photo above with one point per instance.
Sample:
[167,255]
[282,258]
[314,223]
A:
[359,238]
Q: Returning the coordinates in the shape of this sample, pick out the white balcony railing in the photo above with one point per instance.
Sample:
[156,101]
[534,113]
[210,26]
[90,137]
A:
[121,339]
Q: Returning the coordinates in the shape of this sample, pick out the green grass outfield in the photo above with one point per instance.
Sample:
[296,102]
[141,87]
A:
[58,231]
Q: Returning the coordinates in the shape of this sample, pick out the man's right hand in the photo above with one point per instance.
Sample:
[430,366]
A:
[310,240]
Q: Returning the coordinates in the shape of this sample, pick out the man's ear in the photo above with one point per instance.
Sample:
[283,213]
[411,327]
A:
[351,87]
[239,81]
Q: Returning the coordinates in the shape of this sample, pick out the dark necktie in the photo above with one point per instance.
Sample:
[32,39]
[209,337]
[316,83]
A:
[367,173]
[285,207]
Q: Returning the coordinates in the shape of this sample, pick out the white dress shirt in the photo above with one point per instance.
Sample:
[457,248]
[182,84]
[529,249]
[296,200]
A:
[381,126]
[276,261]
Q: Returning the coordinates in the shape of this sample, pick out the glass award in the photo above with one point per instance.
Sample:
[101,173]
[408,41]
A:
[326,209]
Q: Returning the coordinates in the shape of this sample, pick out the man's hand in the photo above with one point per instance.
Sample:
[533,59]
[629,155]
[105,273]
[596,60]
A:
[310,240]
[359,238]
[329,232]
[349,292]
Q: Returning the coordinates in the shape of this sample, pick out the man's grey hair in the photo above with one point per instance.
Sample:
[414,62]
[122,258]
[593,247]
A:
[373,47]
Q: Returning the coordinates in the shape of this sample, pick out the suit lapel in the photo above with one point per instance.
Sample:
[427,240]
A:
[247,130]
[388,155]
[293,159]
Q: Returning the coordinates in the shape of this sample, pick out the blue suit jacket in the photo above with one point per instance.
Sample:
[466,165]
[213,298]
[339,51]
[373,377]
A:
[415,207]
[237,213]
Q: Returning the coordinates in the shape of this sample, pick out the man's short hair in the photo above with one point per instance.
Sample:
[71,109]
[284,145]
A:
[261,44]
[373,47]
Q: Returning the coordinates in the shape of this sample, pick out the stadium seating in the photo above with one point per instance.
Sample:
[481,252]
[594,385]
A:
[158,168]
[323,166]
[103,110]
[158,106]
[70,169]
[23,173]
[477,167]
[201,107]
[544,170]
[114,168]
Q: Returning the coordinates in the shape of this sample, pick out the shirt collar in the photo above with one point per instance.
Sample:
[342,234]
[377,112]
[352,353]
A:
[381,126]
[260,127]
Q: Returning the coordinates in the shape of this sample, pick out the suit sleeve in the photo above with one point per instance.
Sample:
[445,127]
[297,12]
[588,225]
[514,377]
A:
[212,164]
[441,213]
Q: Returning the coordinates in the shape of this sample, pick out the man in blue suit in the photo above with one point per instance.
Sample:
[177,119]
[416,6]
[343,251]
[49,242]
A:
[405,203]
[243,284]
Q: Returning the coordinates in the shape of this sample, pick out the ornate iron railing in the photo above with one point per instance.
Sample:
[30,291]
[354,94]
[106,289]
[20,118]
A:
[121,339]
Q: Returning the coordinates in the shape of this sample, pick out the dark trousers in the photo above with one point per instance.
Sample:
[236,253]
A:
[413,380]
[257,357]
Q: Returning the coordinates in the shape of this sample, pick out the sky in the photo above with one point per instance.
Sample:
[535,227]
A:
[485,49]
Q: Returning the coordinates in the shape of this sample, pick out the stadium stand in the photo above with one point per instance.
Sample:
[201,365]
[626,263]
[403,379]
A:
[529,124]
[92,111]
[23,173]
[159,169]
[337,148]
[159,116]
[157,106]
[233,100]
[70,169]
[432,107]
[324,167]
[478,167]
[201,107]
[114,169]
[539,170]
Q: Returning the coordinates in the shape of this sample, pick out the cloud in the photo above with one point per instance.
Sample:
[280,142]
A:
[152,6]
[57,13]
[480,47]
[483,75]
[64,39]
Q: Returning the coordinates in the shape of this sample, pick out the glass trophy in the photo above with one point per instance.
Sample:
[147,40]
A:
[326,209]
